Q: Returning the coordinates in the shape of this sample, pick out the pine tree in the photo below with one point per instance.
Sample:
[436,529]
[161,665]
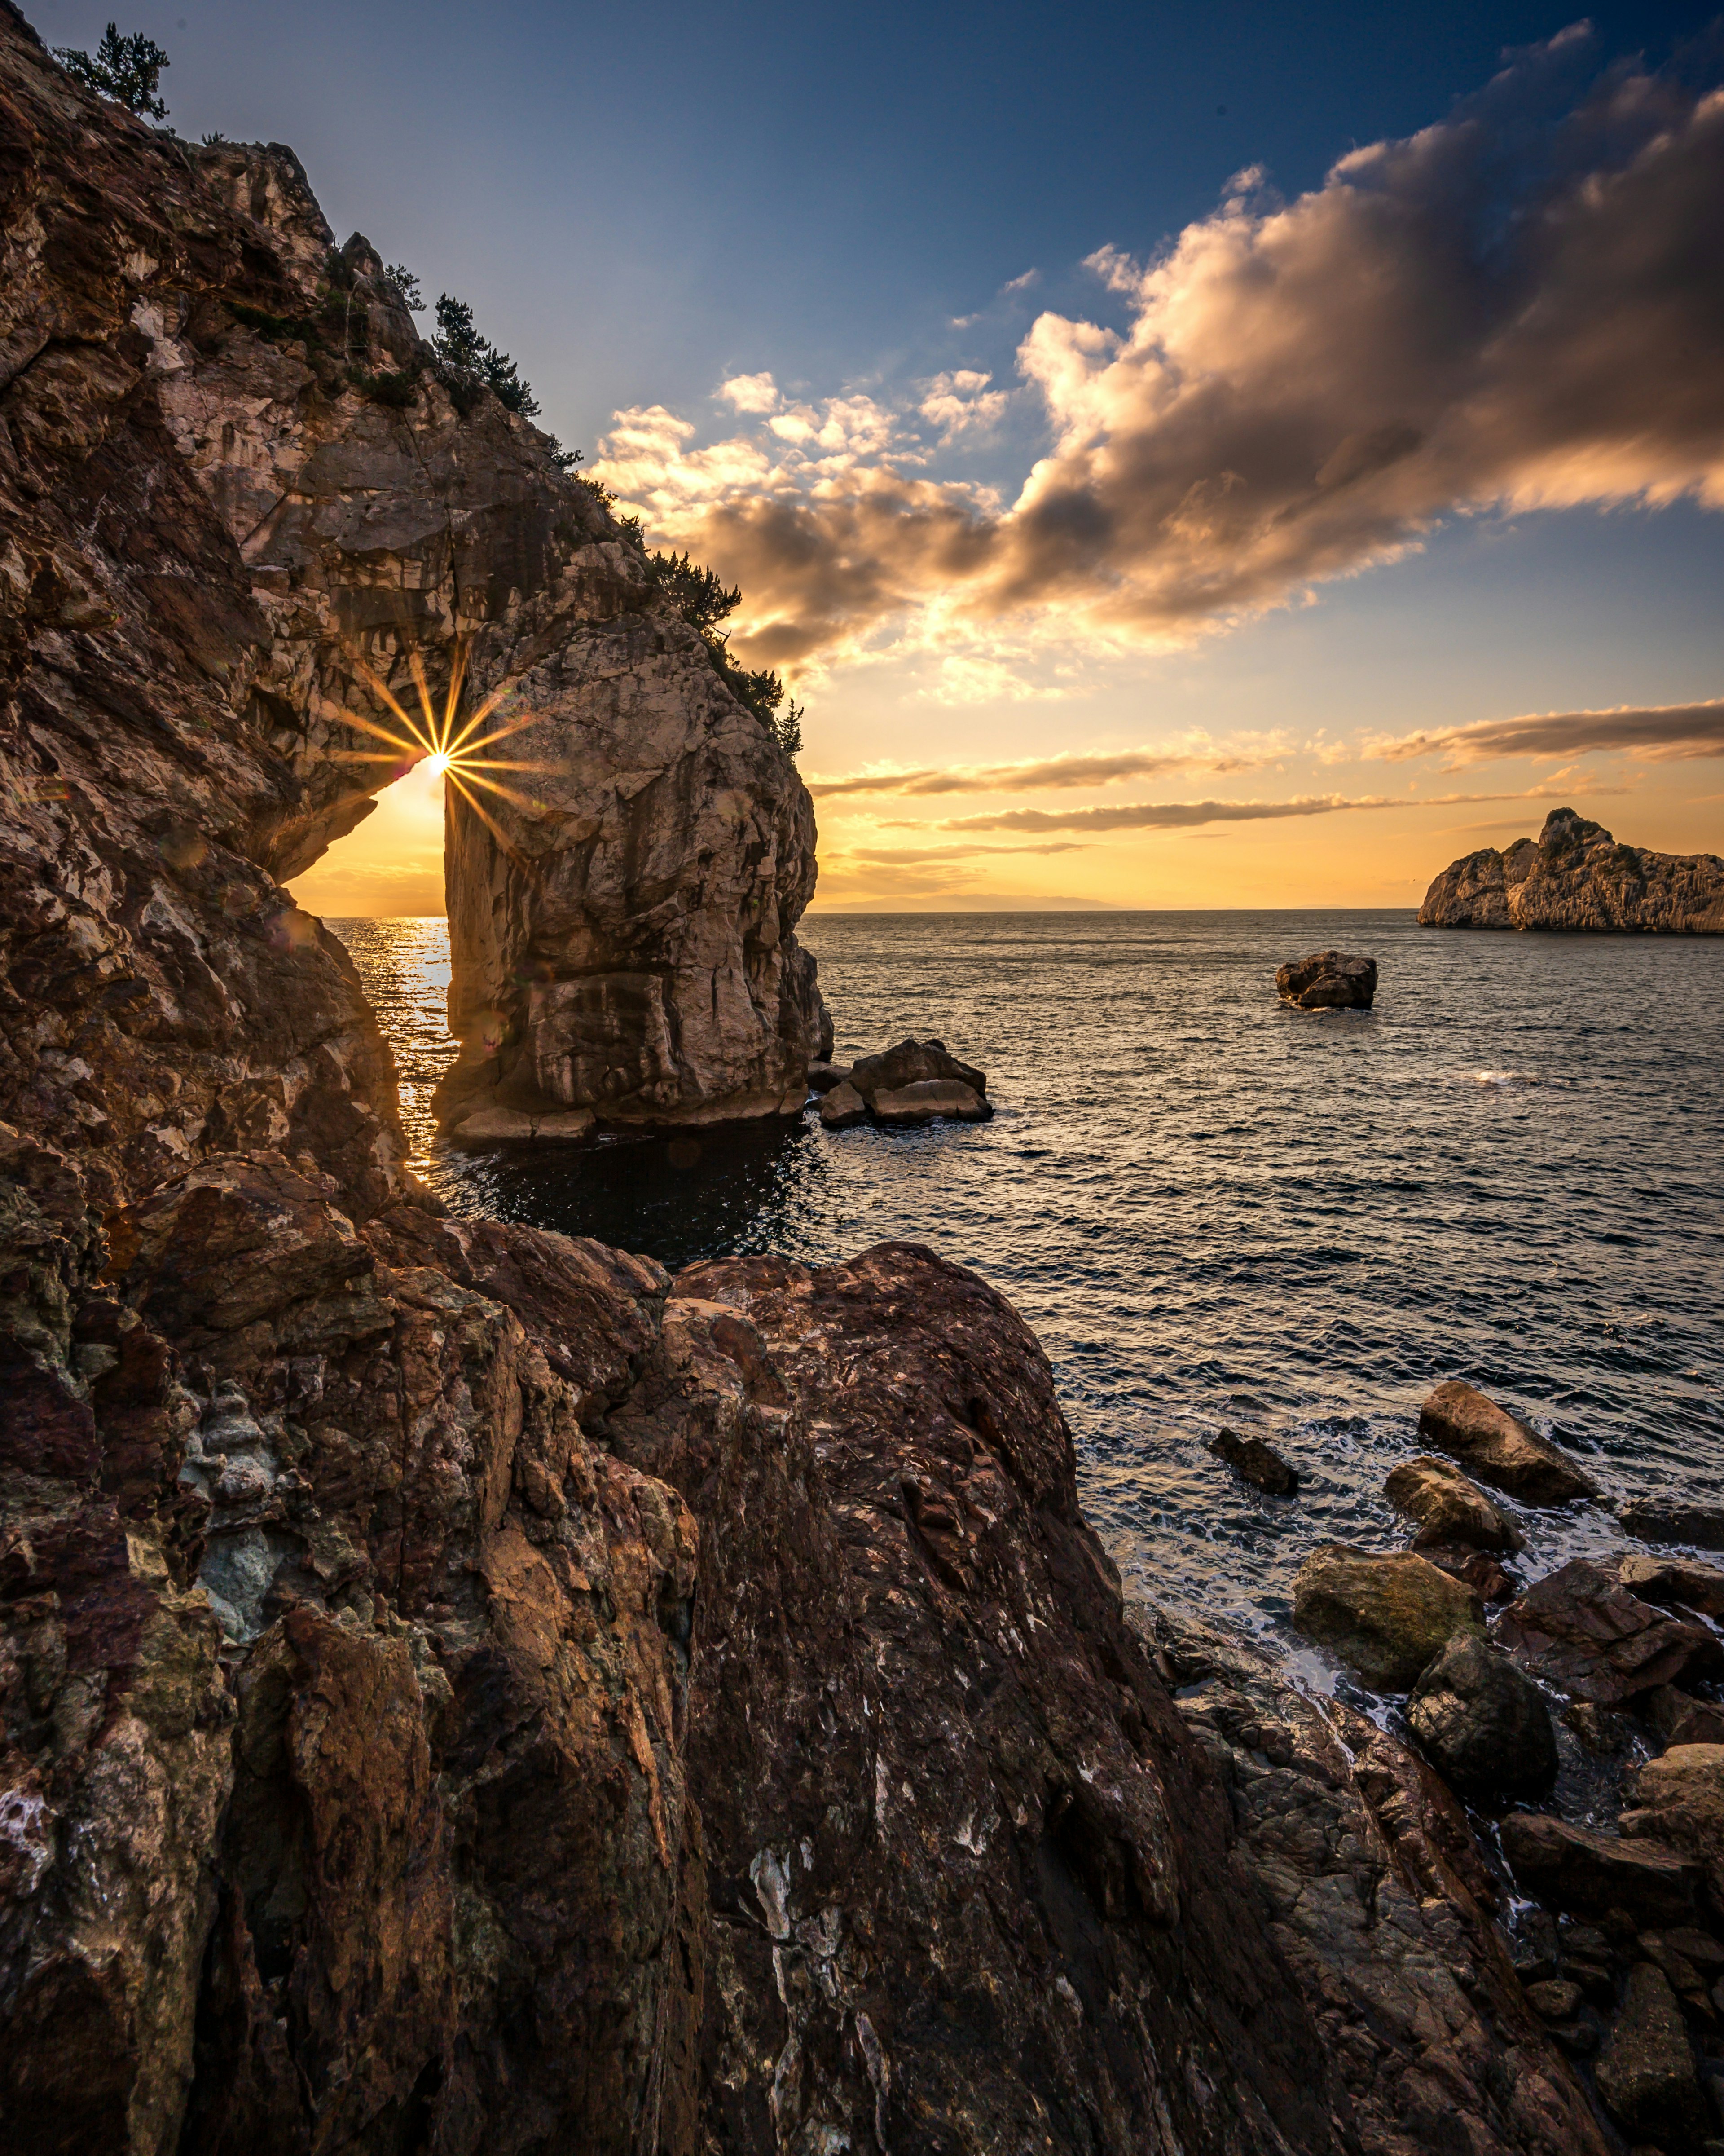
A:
[128,70]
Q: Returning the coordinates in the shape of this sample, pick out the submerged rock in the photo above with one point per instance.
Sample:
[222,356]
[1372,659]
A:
[1255,1461]
[1387,1616]
[490,1126]
[1482,1725]
[1645,2073]
[1576,876]
[1448,1508]
[1581,1627]
[1672,1520]
[1499,1447]
[1328,980]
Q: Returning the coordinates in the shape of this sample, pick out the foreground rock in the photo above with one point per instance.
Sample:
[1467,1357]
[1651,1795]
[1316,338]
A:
[1581,1627]
[1328,980]
[1670,1520]
[1254,1461]
[1448,1508]
[1645,2073]
[1386,1616]
[1576,876]
[1678,1799]
[1499,1448]
[1574,1867]
[1483,1726]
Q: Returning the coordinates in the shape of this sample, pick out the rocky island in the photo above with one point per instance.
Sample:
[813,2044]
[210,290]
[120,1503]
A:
[462,1688]
[1574,876]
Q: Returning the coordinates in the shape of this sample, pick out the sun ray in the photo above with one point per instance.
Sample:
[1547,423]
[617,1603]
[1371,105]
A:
[484,814]
[423,686]
[414,747]
[484,712]
[457,678]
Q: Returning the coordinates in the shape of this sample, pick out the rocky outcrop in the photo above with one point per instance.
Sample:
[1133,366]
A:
[1499,1447]
[915,1082]
[1574,876]
[1328,980]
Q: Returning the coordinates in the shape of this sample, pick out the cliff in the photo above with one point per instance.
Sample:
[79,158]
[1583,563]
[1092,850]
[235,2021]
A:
[1575,875]
[460,1689]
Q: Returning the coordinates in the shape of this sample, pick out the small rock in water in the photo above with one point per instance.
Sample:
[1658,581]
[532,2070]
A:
[1483,1726]
[1448,1508]
[909,1063]
[843,1106]
[1328,980]
[1667,1520]
[1386,1615]
[1254,1461]
[1499,1447]
[824,1077]
[930,1099]
[493,1125]
[1609,1735]
[1645,2073]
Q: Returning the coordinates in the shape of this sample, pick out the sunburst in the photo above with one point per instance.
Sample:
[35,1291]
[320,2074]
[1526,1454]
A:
[451,743]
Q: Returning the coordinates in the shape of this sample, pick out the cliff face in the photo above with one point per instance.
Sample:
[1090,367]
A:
[460,1689]
[1575,875]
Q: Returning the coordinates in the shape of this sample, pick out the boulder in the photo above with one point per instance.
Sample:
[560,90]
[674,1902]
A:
[1645,2073]
[1448,1508]
[930,1100]
[1386,1615]
[1254,1461]
[1578,1869]
[824,1077]
[1482,1725]
[1680,1718]
[1679,1582]
[1670,1520]
[1574,876]
[1499,1448]
[1581,1629]
[1678,1799]
[910,1063]
[1328,980]
[843,1106]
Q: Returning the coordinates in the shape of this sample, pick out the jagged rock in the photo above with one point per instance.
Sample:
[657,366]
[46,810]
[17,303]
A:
[1380,1903]
[1574,1867]
[1328,980]
[1678,1582]
[1581,1629]
[1255,1461]
[1678,1799]
[824,1077]
[1386,1616]
[1483,1726]
[843,1107]
[1645,2073]
[910,1063]
[1448,1508]
[1499,1448]
[1475,1568]
[928,1101]
[1576,876]
[1680,1718]
[1671,1520]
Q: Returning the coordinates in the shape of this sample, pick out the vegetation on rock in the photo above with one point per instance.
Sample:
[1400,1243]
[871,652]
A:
[128,70]
[704,600]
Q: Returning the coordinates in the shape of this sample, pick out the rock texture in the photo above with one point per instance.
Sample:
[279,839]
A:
[1386,1615]
[1328,980]
[1483,1726]
[1499,1447]
[1448,1508]
[1574,876]
[1580,1628]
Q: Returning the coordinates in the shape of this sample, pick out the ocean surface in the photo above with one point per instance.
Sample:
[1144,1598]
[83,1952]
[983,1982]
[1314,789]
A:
[1215,1211]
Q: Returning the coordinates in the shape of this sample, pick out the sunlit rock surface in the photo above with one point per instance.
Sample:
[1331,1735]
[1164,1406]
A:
[1575,875]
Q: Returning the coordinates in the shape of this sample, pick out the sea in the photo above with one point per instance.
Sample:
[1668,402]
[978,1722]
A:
[1216,1212]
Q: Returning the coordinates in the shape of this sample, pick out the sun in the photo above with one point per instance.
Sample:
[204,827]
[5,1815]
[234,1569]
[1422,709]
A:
[452,752]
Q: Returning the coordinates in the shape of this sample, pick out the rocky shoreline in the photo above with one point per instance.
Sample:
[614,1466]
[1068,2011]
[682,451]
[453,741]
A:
[1574,876]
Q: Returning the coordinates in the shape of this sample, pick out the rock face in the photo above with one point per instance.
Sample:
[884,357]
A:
[1483,1726]
[1499,1447]
[1669,1520]
[1576,876]
[1328,980]
[1579,1627]
[1387,1616]
[1448,1508]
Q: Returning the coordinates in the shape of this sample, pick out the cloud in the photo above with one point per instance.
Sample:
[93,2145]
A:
[899,855]
[1519,307]
[1661,732]
[1020,284]
[751,392]
[1179,815]
[962,403]
[1045,774]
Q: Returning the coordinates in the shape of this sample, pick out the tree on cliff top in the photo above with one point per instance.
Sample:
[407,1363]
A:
[468,360]
[128,70]
[703,599]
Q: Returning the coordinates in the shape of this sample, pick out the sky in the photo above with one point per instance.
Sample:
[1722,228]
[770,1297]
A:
[1174,454]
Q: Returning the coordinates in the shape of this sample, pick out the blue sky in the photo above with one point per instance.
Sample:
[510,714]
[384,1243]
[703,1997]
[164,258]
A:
[644,204]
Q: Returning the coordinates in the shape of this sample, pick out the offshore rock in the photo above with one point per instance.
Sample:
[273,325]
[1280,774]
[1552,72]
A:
[1328,980]
[910,1063]
[1256,1461]
[1483,1726]
[930,1100]
[1576,876]
[1580,1628]
[842,1107]
[1448,1508]
[1499,1447]
[1386,1615]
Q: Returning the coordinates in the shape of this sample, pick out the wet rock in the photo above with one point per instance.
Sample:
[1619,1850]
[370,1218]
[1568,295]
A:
[490,1126]
[1678,1799]
[1671,1520]
[1483,1726]
[1499,1448]
[910,1063]
[1328,980]
[1680,1718]
[1581,1629]
[1606,1734]
[1475,1568]
[1578,1869]
[1646,2072]
[1387,1616]
[824,1077]
[1554,1999]
[842,1107]
[1676,1582]
[929,1101]
[1576,876]
[1448,1508]
[1255,1462]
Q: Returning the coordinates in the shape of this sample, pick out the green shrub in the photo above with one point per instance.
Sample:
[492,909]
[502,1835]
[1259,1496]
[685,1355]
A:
[128,70]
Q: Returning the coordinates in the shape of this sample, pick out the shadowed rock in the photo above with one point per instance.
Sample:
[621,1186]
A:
[1386,1616]
[1576,876]
[1328,980]
[1499,1448]
[1573,1867]
[1645,2072]
[910,1063]
[1483,1726]
[1675,1581]
[930,1099]
[1672,1520]
[842,1107]
[1255,1462]
[1678,1799]
[1581,1629]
